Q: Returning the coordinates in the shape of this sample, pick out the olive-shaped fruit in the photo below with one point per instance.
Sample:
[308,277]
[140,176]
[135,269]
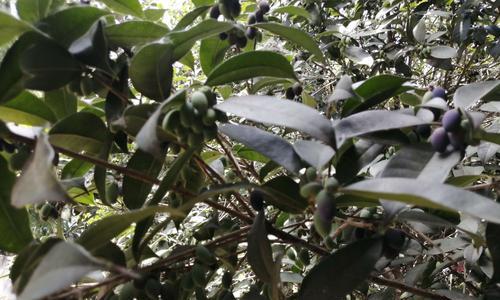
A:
[424,131]
[251,19]
[457,139]
[128,292]
[241,42]
[198,275]
[223,36]
[210,117]
[227,280]
[440,140]
[439,92]
[200,102]
[297,89]
[322,226]
[259,15]
[289,94]
[451,120]
[264,6]
[251,33]
[331,184]
[214,12]
[153,288]
[47,211]
[394,241]
[257,200]
[310,189]
[325,205]
[187,114]
[204,255]
[311,173]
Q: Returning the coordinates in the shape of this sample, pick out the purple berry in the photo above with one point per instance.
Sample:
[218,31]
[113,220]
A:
[325,206]
[439,140]
[257,200]
[252,19]
[259,15]
[241,42]
[223,35]
[439,92]
[457,139]
[251,32]
[214,12]
[264,6]
[451,120]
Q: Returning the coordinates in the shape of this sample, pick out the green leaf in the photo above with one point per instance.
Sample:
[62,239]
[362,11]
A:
[352,264]
[81,132]
[126,7]
[134,33]
[293,10]
[296,36]
[27,109]
[280,112]
[355,158]
[249,65]
[271,81]
[284,193]
[493,241]
[69,24]
[11,27]
[101,232]
[467,95]
[190,17]
[63,265]
[135,192]
[92,48]
[443,52]
[259,252]
[212,51]
[49,67]
[268,144]
[428,194]
[62,102]
[419,31]
[372,121]
[38,176]
[151,70]
[183,40]
[75,168]
[14,223]
[33,10]
[359,56]
[314,153]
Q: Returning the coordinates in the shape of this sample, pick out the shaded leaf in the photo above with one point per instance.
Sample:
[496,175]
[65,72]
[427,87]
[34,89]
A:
[355,158]
[92,48]
[134,33]
[27,109]
[467,95]
[11,27]
[284,193]
[212,51]
[259,252]
[62,102]
[419,31]
[190,17]
[33,10]
[293,10]
[359,56]
[314,153]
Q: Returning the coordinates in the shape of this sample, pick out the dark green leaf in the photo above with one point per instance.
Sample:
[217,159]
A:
[11,27]
[134,33]
[355,158]
[126,7]
[259,252]
[293,10]
[314,153]
[428,194]
[190,17]
[280,112]
[27,109]
[33,10]
[251,64]
[212,51]
[296,36]
[284,193]
[75,168]
[352,265]
[14,223]
[151,70]
[467,95]
[62,102]
[268,144]
[92,48]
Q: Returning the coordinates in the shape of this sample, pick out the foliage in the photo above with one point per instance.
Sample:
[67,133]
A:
[251,149]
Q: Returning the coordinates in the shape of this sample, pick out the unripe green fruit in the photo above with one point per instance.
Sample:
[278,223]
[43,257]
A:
[112,190]
[204,255]
[210,117]
[331,184]
[153,288]
[304,256]
[198,275]
[199,101]
[322,226]
[311,174]
[227,280]
[310,189]
[325,206]
[187,114]
[171,121]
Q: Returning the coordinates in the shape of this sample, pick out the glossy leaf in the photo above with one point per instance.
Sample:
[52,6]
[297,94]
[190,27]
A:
[467,95]
[314,153]
[212,51]
[284,193]
[443,52]
[359,56]
[11,27]
[294,35]
[280,112]
[38,175]
[260,254]
[419,31]
[126,7]
[355,158]
[27,109]
[62,102]
[134,33]
[190,17]
[14,223]
[33,10]
[268,144]
[294,11]
[352,265]
[428,194]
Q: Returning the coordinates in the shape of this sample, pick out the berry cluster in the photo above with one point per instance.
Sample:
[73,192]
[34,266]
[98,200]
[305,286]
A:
[293,91]
[324,198]
[452,135]
[257,17]
[195,121]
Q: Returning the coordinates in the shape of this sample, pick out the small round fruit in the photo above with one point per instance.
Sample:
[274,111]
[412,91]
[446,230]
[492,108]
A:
[289,93]
[241,42]
[204,255]
[322,226]
[451,120]
[297,89]
[233,38]
[325,205]
[311,173]
[128,292]
[310,189]
[439,92]
[210,117]
[252,19]
[331,184]
[394,241]
[187,114]
[153,288]
[199,101]
[46,212]
[251,33]
[223,36]
[264,6]
[457,139]
[440,140]
[424,131]
[214,12]
[259,15]
[257,200]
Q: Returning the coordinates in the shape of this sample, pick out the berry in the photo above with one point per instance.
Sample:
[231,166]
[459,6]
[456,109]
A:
[264,6]
[257,200]
[251,33]
[200,102]
[311,173]
[310,189]
[325,206]
[223,36]
[252,19]
[204,255]
[423,131]
[439,140]
[233,38]
[214,12]
[331,184]
[439,92]
[297,89]
[394,241]
[289,94]
[259,15]
[451,120]
[457,139]
[241,42]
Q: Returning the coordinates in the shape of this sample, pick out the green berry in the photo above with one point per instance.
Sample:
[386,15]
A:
[331,184]
[311,174]
[187,114]
[199,101]
[310,189]
[204,255]
[210,117]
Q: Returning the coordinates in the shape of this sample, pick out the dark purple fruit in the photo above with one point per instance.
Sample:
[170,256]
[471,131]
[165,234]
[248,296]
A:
[439,92]
[214,12]
[297,89]
[394,241]
[259,15]
[223,36]
[252,19]
[439,140]
[257,200]
[289,94]
[264,6]
[241,42]
[451,120]
[325,206]
[233,38]
[251,32]
[424,131]
[457,139]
